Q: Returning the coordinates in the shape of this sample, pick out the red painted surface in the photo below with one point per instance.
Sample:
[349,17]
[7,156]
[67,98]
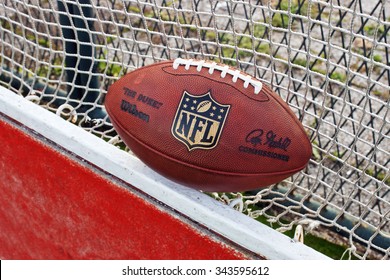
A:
[52,207]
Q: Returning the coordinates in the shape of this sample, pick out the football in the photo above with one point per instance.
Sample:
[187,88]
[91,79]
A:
[207,125]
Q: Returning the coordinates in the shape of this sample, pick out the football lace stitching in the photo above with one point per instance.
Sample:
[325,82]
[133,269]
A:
[224,69]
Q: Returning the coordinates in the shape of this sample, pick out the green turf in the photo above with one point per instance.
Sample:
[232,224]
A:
[321,245]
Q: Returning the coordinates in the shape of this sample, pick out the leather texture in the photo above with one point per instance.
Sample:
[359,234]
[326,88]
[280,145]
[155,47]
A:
[172,120]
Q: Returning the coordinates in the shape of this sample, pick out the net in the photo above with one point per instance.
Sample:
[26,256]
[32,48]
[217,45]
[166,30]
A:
[328,59]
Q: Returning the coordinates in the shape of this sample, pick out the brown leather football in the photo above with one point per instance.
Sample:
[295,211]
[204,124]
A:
[207,125]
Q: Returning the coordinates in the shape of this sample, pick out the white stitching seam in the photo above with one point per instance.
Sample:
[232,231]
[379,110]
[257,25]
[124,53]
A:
[257,85]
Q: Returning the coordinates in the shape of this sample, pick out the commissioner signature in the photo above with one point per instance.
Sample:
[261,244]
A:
[259,137]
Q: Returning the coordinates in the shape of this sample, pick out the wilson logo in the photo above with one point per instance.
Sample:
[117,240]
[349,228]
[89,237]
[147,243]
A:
[199,121]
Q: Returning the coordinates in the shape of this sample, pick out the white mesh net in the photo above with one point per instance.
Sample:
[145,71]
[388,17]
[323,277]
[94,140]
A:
[328,59]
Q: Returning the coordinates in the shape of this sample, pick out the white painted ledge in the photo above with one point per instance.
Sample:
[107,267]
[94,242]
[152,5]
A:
[199,207]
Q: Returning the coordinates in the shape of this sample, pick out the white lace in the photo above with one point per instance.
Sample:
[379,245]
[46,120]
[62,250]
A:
[257,85]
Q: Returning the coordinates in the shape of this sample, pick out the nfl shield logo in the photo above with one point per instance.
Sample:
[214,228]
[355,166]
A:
[199,121]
